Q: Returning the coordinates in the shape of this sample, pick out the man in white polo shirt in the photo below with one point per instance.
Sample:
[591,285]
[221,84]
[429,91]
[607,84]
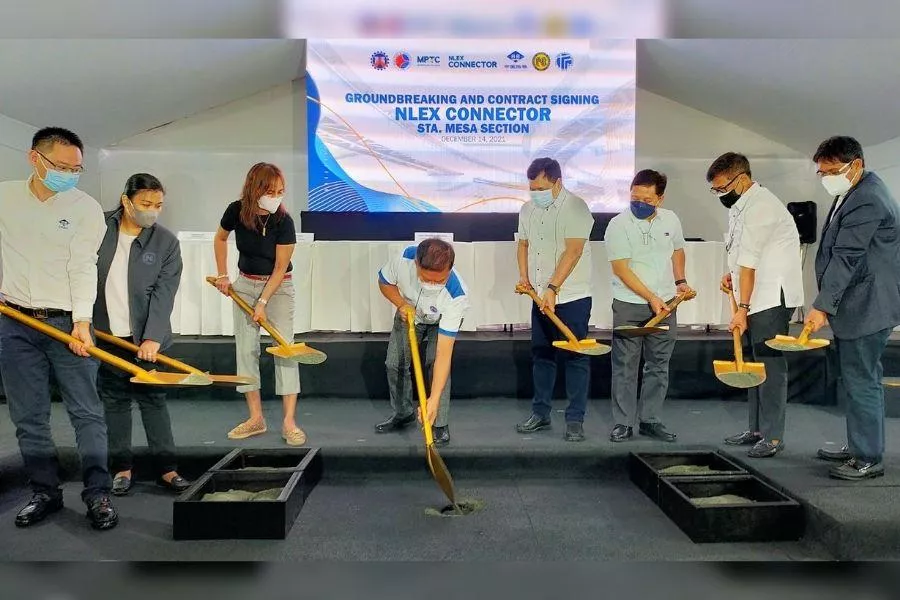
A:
[554,257]
[645,247]
[50,233]
[423,278]
[765,274]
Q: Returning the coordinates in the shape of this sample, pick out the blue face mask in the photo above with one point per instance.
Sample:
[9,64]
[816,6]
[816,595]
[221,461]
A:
[58,181]
[642,210]
[542,198]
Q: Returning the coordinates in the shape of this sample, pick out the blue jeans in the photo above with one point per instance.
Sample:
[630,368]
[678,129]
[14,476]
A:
[859,361]
[575,315]
[27,358]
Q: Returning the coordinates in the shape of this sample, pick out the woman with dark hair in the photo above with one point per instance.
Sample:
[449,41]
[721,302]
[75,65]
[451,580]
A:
[138,273]
[265,237]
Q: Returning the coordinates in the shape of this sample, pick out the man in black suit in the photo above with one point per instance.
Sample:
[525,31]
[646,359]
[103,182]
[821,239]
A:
[858,273]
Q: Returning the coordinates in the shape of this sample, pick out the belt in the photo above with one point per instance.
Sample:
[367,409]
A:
[287,277]
[40,313]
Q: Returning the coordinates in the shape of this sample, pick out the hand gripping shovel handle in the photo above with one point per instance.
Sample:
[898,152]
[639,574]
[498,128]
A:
[520,289]
[247,309]
[417,371]
[669,308]
[736,334]
[160,358]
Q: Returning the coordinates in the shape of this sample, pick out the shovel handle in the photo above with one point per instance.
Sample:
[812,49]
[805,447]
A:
[804,335]
[65,338]
[670,307]
[417,371]
[160,358]
[247,309]
[552,316]
[736,335]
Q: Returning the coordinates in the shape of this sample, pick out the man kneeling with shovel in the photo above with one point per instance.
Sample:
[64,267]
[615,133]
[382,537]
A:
[422,278]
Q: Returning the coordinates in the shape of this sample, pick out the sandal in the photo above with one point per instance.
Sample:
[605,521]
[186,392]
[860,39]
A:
[247,429]
[294,438]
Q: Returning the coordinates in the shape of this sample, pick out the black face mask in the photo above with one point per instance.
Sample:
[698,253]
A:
[730,199]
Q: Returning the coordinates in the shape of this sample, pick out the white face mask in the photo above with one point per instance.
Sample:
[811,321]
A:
[431,287]
[270,203]
[837,184]
[542,198]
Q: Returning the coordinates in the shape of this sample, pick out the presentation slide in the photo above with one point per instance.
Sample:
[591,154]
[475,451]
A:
[451,125]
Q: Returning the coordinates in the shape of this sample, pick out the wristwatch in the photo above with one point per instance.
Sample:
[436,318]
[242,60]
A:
[680,281]
[744,306]
[553,288]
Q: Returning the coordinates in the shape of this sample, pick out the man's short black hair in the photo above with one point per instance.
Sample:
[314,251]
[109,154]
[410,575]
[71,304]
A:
[548,166]
[731,163]
[650,177]
[434,254]
[841,148]
[46,137]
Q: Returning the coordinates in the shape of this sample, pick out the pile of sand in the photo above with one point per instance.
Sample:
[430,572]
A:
[242,496]
[723,499]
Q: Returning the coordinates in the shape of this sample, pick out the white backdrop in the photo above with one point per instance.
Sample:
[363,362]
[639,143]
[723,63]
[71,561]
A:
[337,286]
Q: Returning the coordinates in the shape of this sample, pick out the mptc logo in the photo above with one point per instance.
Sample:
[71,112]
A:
[148,258]
[379,60]
[431,60]
[402,60]
[541,61]
[564,61]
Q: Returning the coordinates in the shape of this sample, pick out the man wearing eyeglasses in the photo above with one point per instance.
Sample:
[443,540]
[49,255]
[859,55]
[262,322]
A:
[765,276]
[858,274]
[50,234]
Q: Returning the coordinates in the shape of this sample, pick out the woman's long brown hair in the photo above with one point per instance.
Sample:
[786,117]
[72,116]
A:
[259,179]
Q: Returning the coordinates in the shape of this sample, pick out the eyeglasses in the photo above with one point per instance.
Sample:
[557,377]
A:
[843,168]
[721,190]
[79,169]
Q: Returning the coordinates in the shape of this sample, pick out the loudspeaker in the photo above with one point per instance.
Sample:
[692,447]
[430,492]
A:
[804,214]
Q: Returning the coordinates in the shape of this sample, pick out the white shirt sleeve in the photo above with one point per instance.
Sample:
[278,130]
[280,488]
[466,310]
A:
[452,318]
[523,219]
[578,220]
[389,272]
[678,234]
[82,265]
[758,226]
[618,246]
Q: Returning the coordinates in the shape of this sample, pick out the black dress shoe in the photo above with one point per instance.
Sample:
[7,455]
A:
[620,433]
[857,470]
[534,423]
[41,505]
[177,484]
[101,513]
[747,438]
[656,431]
[765,449]
[441,435]
[395,423]
[121,486]
[574,432]
[842,455]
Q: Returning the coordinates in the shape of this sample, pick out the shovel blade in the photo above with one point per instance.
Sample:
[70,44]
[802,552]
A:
[300,353]
[751,375]
[231,380]
[787,343]
[589,347]
[630,331]
[440,473]
[172,379]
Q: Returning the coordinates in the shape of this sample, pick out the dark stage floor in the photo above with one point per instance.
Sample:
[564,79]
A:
[546,499]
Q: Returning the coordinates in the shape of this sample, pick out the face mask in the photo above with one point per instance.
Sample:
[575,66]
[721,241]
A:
[431,287]
[542,198]
[143,218]
[729,199]
[642,210]
[270,203]
[836,185]
[58,181]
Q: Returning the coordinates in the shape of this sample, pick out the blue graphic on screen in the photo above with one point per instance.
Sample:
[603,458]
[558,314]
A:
[331,189]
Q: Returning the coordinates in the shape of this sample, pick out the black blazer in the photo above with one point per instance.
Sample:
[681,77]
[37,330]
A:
[154,273]
[858,261]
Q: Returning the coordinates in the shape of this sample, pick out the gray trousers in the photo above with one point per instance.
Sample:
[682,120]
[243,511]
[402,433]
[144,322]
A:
[280,313]
[656,350]
[768,402]
[398,364]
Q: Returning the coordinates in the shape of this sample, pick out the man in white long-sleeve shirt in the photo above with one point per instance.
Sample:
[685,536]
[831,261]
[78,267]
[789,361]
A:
[49,236]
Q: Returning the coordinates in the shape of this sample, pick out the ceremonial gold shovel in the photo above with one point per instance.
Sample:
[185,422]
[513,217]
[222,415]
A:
[435,462]
[571,343]
[653,325]
[737,373]
[139,375]
[298,352]
[787,343]
[175,364]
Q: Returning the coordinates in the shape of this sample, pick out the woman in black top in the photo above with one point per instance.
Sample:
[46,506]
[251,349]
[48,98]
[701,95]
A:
[265,237]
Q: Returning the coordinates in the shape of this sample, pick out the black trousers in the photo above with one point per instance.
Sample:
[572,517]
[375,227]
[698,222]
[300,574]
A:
[118,393]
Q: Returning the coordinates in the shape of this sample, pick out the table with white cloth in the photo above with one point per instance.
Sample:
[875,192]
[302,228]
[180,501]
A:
[336,286]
